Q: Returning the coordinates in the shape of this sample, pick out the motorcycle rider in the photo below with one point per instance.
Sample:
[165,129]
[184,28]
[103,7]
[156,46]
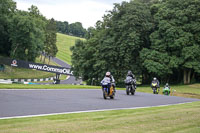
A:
[110,80]
[155,80]
[130,74]
[166,89]
[167,85]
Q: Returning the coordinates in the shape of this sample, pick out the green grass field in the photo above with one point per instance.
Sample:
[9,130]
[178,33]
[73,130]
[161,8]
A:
[182,118]
[64,42]
[57,86]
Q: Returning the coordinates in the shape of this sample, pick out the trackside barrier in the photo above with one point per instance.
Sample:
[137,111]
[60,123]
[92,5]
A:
[5,82]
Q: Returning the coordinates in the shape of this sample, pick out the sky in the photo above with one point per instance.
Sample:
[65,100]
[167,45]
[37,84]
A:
[88,12]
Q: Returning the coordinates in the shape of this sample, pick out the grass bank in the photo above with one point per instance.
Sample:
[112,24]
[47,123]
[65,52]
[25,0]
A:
[182,118]
[64,42]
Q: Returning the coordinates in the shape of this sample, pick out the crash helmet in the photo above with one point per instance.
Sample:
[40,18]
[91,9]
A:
[129,72]
[107,74]
[167,84]
[154,78]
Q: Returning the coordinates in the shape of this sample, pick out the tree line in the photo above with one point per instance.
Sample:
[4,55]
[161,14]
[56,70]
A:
[26,34]
[153,38]
[73,29]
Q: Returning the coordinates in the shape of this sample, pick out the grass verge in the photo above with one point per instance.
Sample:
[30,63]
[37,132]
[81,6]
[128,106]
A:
[55,86]
[192,91]
[182,118]
[64,42]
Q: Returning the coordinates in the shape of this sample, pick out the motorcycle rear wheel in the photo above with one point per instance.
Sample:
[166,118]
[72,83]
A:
[133,92]
[111,97]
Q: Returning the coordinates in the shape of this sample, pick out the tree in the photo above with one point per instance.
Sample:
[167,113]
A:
[89,34]
[61,27]
[74,29]
[27,34]
[176,39]
[115,42]
[50,47]
[7,10]
[66,31]
[77,29]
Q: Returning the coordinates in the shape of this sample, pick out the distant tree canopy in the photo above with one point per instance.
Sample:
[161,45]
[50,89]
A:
[25,34]
[152,38]
[114,44]
[74,29]
[175,42]
[7,10]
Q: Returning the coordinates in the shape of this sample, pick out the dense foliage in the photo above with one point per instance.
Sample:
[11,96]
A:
[152,38]
[49,49]
[74,29]
[7,9]
[175,42]
[25,34]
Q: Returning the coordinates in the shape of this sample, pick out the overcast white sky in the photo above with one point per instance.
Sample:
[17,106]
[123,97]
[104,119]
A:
[88,12]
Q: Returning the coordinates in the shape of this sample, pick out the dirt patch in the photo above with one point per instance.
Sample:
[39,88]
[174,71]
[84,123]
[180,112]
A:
[187,95]
[195,86]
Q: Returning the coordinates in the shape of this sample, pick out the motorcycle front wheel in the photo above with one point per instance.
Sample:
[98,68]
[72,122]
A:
[104,95]
[157,91]
[154,91]
[127,90]
[132,90]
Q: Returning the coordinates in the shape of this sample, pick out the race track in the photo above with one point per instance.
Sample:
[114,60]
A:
[72,79]
[15,103]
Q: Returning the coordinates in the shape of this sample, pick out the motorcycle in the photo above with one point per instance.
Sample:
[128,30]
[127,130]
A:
[130,85]
[155,88]
[108,92]
[166,91]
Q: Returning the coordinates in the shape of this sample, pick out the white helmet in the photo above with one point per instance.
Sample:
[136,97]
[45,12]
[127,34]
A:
[154,78]
[107,74]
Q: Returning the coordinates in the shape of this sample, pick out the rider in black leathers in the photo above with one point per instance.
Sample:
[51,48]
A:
[133,76]
[155,80]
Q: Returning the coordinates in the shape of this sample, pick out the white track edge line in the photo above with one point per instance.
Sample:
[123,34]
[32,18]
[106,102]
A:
[46,89]
[88,111]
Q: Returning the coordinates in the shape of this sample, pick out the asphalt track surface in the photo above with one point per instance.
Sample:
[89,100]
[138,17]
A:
[17,103]
[71,79]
